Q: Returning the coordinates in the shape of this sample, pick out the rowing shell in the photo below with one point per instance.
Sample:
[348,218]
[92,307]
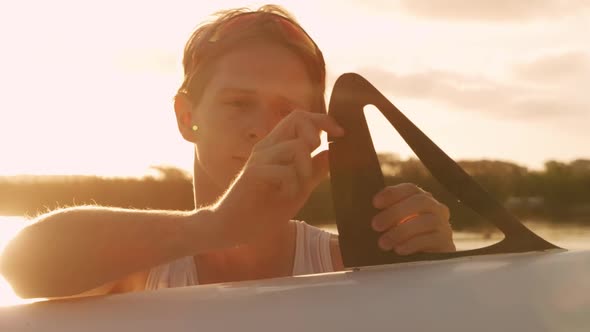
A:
[536,291]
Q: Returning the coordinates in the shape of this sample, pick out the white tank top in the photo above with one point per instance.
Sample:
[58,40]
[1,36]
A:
[312,255]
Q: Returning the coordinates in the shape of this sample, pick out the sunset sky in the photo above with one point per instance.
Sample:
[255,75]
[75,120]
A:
[87,87]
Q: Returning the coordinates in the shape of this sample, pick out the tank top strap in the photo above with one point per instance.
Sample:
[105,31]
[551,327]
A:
[178,273]
[312,252]
[312,255]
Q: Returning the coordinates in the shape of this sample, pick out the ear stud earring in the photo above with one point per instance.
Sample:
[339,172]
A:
[195,127]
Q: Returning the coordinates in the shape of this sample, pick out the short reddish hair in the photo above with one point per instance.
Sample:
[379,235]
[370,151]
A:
[203,48]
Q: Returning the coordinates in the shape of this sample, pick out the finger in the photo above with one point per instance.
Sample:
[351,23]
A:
[278,178]
[423,224]
[288,128]
[292,152]
[302,161]
[393,194]
[429,242]
[323,122]
[309,133]
[416,204]
[321,168]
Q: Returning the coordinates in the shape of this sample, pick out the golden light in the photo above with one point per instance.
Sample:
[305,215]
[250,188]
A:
[91,92]
[8,229]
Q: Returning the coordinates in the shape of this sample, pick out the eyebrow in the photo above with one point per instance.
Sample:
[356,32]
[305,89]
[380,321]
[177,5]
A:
[237,90]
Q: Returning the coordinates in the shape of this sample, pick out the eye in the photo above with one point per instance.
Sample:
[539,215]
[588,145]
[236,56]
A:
[284,111]
[284,108]
[240,103]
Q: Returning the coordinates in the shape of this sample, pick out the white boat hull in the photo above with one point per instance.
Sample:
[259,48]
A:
[542,291]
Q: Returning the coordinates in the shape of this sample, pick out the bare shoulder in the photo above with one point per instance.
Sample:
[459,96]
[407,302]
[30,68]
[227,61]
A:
[337,263]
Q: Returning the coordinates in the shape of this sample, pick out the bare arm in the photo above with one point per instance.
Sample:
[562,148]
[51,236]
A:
[71,251]
[75,250]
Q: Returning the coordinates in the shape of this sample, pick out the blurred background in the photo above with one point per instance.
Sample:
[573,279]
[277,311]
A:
[86,113]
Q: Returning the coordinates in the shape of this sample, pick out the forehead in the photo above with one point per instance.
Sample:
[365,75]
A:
[265,68]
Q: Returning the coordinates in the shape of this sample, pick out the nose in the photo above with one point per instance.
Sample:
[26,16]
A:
[262,123]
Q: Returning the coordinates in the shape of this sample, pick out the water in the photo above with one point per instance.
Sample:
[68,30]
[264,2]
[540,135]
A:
[566,236]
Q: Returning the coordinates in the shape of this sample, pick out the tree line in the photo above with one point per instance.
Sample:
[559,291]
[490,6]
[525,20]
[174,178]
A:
[560,192]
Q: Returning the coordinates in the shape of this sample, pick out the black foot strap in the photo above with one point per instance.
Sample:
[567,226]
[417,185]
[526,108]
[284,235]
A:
[356,177]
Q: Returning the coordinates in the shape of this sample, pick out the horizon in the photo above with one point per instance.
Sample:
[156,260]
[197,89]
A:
[491,80]
[153,172]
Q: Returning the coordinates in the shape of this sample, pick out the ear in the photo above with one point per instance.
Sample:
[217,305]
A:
[183,108]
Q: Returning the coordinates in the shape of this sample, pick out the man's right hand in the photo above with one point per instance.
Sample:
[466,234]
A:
[278,177]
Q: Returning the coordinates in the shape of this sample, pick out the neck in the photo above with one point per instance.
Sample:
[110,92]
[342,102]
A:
[206,192]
